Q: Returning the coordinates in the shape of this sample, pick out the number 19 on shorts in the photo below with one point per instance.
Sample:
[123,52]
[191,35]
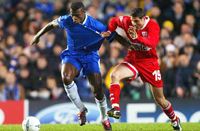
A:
[157,75]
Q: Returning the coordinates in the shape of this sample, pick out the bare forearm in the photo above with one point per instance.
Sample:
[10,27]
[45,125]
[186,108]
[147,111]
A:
[45,29]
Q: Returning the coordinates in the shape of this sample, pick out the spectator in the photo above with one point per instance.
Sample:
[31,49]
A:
[183,83]
[25,79]
[176,14]
[55,91]
[131,5]
[190,20]
[11,90]
[114,56]
[195,82]
[23,61]
[93,11]
[196,10]
[169,26]
[3,73]
[155,13]
[59,8]
[1,23]
[41,72]
[170,69]
[148,5]
[45,6]
[194,57]
[185,37]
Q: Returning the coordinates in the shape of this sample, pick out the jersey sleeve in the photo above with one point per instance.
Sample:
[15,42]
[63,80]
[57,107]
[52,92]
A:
[100,27]
[115,22]
[153,36]
[63,21]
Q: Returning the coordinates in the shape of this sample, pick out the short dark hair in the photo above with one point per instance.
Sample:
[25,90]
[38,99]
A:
[77,5]
[138,12]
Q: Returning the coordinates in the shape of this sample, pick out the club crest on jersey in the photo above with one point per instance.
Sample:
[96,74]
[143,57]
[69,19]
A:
[144,34]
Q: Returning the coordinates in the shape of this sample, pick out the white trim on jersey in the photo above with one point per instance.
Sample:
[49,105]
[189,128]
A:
[136,75]
[147,19]
[121,18]
[86,16]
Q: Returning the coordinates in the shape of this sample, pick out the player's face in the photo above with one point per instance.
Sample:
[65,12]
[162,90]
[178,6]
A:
[78,16]
[137,22]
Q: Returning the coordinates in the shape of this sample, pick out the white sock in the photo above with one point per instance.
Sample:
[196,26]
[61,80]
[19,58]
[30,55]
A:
[73,95]
[102,104]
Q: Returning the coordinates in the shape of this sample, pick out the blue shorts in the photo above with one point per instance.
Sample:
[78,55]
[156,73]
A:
[89,63]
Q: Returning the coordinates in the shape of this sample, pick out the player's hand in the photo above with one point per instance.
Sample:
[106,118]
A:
[35,40]
[135,35]
[131,47]
[105,34]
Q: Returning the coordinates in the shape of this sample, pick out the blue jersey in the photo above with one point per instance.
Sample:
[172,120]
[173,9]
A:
[83,42]
[83,37]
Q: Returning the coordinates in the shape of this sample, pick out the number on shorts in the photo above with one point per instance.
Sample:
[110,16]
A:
[157,75]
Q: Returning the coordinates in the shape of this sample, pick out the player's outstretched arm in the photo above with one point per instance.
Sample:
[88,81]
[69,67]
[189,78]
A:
[123,41]
[45,29]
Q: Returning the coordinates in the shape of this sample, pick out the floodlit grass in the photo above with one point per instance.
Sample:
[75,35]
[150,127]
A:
[115,127]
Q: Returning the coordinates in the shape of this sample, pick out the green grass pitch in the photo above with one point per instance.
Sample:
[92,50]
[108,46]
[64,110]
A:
[115,127]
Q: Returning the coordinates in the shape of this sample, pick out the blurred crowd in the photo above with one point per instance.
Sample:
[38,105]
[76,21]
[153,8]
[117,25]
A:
[33,72]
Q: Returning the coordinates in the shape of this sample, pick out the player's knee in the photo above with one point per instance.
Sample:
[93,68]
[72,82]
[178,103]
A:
[67,79]
[99,95]
[115,77]
[98,91]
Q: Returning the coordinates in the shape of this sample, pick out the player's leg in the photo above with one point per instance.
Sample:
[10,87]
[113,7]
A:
[150,72]
[68,73]
[121,71]
[100,99]
[92,70]
[166,107]
[96,82]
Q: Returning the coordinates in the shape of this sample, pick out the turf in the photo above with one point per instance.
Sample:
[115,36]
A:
[98,127]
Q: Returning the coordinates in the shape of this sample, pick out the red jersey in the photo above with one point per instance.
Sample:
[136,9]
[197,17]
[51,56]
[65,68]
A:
[148,37]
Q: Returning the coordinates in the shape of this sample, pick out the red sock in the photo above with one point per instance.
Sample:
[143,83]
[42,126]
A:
[169,111]
[115,95]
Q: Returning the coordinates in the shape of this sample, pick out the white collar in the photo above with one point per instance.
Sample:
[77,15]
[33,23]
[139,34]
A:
[86,16]
[147,19]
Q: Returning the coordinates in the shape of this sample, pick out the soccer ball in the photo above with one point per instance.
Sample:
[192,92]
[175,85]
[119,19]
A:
[31,123]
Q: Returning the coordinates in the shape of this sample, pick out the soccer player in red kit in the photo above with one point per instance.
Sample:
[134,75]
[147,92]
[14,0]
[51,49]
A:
[141,60]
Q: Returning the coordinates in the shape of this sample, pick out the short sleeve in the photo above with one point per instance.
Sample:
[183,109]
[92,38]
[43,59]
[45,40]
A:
[63,21]
[98,26]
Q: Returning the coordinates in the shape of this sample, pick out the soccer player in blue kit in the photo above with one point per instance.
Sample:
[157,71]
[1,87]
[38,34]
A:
[84,38]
